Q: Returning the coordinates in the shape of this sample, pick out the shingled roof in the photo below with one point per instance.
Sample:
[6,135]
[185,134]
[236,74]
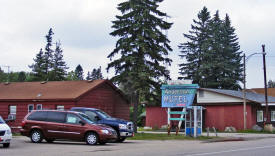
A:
[251,96]
[52,90]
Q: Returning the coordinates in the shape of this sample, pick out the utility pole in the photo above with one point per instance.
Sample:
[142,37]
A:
[244,93]
[265,86]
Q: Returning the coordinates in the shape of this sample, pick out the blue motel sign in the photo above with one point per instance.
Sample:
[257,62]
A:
[178,95]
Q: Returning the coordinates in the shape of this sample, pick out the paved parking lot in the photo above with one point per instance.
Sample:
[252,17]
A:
[21,146]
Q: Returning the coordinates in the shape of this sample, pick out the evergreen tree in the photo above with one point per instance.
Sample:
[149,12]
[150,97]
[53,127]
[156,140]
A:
[2,75]
[212,53]
[96,74]
[88,77]
[21,76]
[79,72]
[71,76]
[37,67]
[48,55]
[141,47]
[192,50]
[59,67]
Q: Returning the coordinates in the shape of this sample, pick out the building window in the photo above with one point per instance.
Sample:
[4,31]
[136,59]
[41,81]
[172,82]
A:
[13,110]
[30,107]
[39,107]
[260,116]
[272,115]
[59,107]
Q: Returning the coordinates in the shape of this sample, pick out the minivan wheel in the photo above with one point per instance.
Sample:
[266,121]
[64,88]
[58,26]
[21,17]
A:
[91,138]
[36,136]
[6,145]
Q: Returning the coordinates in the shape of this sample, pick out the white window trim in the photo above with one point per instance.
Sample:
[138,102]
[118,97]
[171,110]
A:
[262,115]
[10,109]
[40,106]
[60,106]
[29,107]
[272,112]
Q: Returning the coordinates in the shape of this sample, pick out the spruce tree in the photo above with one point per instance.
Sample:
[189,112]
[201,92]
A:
[59,66]
[37,67]
[88,77]
[79,72]
[215,61]
[142,48]
[48,55]
[192,50]
[96,74]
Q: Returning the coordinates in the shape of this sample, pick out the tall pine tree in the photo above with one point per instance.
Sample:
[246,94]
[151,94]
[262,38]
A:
[37,67]
[59,66]
[79,72]
[192,50]
[48,55]
[96,74]
[215,60]
[142,48]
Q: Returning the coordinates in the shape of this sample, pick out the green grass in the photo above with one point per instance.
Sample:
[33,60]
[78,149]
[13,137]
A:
[150,136]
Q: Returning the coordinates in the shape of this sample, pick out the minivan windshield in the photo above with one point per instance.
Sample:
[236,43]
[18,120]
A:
[86,118]
[103,114]
[1,120]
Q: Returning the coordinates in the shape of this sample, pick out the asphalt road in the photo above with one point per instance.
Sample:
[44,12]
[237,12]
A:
[21,146]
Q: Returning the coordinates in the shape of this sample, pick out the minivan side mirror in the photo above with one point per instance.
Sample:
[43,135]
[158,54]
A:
[82,122]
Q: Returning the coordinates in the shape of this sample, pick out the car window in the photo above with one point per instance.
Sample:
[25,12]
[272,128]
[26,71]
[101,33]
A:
[72,119]
[38,116]
[86,118]
[91,115]
[56,117]
[103,114]
[1,120]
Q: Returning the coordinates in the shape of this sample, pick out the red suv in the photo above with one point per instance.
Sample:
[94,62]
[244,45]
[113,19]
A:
[69,125]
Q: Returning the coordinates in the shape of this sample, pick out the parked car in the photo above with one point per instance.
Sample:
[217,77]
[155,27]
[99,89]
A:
[123,128]
[52,124]
[5,134]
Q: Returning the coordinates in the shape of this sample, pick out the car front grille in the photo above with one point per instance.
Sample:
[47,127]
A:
[2,133]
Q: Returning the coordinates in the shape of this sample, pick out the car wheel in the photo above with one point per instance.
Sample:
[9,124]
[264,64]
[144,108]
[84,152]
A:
[6,145]
[36,136]
[91,138]
[49,140]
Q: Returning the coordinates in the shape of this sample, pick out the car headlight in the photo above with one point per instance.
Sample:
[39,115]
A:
[104,131]
[8,131]
[122,126]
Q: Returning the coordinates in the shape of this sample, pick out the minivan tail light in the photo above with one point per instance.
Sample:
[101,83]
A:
[23,124]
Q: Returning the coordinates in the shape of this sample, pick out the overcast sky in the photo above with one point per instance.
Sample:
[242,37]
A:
[83,27]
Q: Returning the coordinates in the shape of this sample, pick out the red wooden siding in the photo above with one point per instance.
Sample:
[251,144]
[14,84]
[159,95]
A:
[107,99]
[156,117]
[219,116]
